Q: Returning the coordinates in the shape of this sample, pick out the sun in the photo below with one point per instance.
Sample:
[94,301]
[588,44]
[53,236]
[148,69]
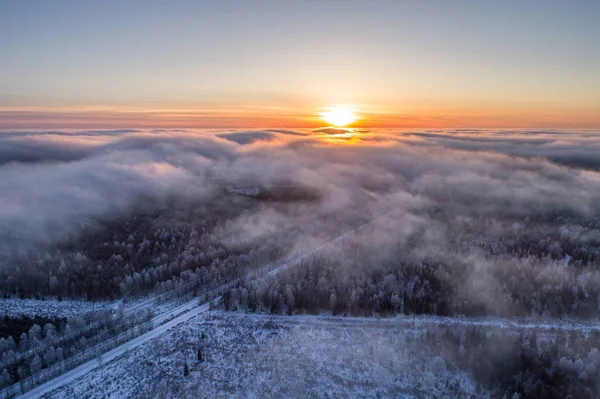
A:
[339,116]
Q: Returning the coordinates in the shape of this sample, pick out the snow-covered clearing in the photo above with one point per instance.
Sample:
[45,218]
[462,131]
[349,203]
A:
[271,356]
[50,308]
[255,356]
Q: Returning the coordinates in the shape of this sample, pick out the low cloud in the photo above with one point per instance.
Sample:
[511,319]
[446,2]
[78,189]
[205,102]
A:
[331,130]
[441,185]
[287,131]
[247,137]
[577,148]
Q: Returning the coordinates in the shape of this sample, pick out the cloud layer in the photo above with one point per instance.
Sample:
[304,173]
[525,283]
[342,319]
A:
[61,175]
[493,186]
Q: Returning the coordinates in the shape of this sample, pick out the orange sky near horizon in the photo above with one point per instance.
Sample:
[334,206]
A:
[288,117]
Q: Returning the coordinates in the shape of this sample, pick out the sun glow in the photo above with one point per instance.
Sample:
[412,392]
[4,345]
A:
[339,116]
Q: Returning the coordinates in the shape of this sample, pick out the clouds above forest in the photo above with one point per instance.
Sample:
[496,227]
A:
[577,149]
[50,180]
[247,137]
[444,194]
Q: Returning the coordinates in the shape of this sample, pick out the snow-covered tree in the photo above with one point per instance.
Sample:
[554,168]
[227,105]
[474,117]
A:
[36,364]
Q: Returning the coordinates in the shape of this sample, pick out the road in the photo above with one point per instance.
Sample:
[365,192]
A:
[424,321]
[112,354]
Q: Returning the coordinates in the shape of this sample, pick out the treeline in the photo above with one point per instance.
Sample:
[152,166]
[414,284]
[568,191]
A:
[15,326]
[42,346]
[350,280]
[526,364]
[130,256]
[574,240]
[100,270]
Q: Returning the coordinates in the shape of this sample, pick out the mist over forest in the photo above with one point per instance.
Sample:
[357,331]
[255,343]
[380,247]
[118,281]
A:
[116,203]
[469,223]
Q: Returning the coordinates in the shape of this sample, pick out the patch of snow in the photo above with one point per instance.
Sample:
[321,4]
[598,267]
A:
[50,308]
[259,356]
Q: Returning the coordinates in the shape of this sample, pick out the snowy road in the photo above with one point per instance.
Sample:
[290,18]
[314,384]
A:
[110,355]
[430,320]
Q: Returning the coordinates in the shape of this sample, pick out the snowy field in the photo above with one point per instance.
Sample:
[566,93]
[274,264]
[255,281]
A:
[50,308]
[259,356]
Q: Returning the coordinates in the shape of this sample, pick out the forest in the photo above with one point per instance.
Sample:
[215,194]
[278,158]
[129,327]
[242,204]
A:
[402,225]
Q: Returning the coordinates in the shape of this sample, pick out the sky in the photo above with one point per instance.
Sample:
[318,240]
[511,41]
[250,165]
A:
[128,64]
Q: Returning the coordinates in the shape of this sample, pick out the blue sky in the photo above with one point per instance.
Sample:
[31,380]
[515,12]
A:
[388,57]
